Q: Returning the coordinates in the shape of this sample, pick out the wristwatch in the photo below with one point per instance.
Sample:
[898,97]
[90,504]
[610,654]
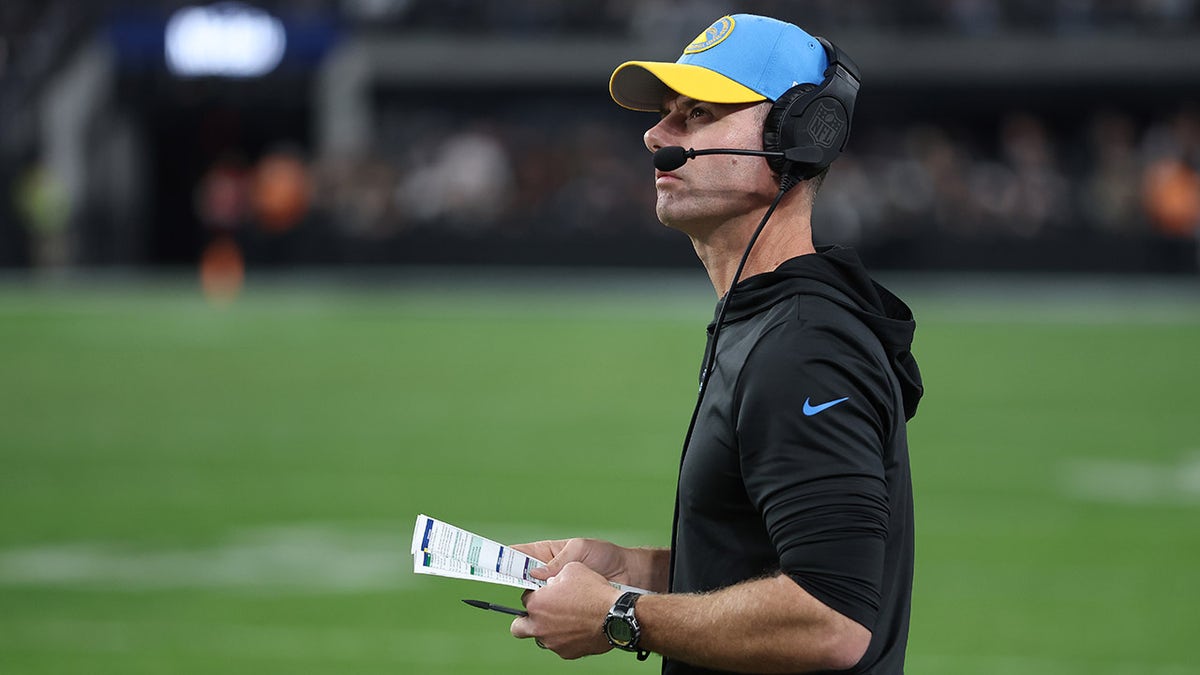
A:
[621,627]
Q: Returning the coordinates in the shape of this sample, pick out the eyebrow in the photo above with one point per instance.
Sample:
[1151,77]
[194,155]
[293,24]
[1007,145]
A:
[682,102]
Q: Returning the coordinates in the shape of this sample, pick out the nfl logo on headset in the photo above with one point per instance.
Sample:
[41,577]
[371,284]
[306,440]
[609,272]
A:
[826,124]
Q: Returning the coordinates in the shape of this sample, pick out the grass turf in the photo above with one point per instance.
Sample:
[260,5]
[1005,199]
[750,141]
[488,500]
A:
[197,490]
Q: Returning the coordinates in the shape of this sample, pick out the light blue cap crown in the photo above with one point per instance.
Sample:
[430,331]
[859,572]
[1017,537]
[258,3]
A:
[738,59]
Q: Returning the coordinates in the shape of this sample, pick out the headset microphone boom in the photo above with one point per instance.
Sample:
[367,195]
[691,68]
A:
[672,157]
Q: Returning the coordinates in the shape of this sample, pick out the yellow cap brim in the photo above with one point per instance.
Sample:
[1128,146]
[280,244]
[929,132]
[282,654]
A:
[641,85]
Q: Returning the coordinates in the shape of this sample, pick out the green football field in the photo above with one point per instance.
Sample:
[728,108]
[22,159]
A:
[193,489]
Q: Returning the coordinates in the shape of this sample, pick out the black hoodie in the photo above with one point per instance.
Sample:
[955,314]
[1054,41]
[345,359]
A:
[798,462]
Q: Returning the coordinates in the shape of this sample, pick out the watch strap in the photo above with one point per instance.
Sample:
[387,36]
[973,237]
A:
[622,610]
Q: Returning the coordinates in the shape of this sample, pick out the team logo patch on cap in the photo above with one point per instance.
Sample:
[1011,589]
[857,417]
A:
[712,36]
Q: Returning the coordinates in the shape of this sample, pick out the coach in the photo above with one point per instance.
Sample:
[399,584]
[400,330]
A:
[792,546]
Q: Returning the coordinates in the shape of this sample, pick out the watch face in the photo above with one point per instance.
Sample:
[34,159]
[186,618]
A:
[619,631]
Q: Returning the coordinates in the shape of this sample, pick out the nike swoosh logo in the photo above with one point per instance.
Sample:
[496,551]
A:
[810,409]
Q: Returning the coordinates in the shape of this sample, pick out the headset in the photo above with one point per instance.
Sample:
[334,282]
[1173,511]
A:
[805,130]
[808,125]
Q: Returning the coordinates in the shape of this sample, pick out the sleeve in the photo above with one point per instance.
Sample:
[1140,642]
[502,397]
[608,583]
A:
[813,413]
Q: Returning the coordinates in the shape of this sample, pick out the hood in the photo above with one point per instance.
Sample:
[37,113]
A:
[837,274]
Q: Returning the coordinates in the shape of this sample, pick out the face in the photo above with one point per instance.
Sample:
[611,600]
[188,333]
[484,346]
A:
[712,189]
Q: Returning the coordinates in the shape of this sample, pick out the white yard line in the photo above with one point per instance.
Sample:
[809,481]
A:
[1135,482]
[294,558]
[304,558]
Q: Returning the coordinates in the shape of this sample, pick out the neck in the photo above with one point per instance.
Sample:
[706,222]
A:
[787,234]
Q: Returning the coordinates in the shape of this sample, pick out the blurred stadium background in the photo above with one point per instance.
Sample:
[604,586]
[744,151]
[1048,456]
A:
[277,276]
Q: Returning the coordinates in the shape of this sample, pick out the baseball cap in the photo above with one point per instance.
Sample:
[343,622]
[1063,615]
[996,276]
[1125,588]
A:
[741,58]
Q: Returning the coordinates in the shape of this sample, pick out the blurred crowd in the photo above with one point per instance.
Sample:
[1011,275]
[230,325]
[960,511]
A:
[512,176]
[1027,180]
[554,165]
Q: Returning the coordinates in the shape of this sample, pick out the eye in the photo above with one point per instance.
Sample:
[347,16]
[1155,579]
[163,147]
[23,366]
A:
[697,112]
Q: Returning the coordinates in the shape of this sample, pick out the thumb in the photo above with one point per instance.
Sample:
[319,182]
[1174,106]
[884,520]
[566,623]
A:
[565,555]
[553,567]
[542,551]
[521,628]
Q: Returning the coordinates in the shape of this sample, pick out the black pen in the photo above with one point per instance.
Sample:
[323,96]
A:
[496,608]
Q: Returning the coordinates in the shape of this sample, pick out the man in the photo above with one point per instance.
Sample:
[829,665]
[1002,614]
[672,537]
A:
[792,549]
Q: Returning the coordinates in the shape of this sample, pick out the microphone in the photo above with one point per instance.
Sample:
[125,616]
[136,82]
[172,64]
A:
[672,157]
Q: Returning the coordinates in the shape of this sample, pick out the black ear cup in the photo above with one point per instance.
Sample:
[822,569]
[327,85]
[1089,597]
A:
[779,130]
[811,123]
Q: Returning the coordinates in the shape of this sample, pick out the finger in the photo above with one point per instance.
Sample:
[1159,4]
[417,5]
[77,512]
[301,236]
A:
[541,550]
[521,628]
[573,570]
[525,598]
[531,549]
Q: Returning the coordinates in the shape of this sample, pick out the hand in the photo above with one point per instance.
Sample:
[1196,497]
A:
[604,558]
[565,615]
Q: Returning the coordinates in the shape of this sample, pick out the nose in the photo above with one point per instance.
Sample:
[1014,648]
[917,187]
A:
[657,136]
